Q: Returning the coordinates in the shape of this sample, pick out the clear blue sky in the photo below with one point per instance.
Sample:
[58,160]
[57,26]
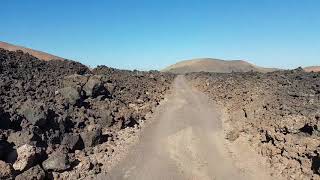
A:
[155,33]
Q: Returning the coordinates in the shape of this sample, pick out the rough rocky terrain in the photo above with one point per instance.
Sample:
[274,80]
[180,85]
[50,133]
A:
[278,113]
[60,120]
[184,141]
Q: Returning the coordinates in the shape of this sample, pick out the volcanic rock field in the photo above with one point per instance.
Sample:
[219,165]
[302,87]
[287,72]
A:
[278,113]
[57,116]
[61,120]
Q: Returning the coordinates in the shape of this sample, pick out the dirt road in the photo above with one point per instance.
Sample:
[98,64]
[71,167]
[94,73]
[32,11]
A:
[185,141]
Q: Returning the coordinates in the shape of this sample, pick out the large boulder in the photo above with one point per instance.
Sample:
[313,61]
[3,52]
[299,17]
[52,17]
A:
[26,156]
[5,170]
[57,161]
[110,87]
[34,173]
[34,113]
[21,137]
[94,87]
[106,118]
[91,136]
[72,142]
[75,81]
[70,94]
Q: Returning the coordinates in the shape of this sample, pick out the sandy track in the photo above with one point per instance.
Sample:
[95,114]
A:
[185,141]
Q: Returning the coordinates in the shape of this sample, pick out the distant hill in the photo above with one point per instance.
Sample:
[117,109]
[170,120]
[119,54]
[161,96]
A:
[38,54]
[214,65]
[312,68]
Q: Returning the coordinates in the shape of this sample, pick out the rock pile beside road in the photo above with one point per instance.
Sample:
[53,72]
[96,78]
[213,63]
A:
[278,111]
[54,115]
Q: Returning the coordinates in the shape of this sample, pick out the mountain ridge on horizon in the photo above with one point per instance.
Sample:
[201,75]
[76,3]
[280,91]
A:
[181,67]
[214,65]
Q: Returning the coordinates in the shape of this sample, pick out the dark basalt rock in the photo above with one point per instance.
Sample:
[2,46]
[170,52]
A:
[63,105]
[70,94]
[57,161]
[279,111]
[72,142]
[94,87]
[21,137]
[92,136]
[34,113]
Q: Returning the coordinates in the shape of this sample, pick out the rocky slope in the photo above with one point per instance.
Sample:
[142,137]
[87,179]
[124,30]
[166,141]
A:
[214,65]
[59,120]
[278,112]
[38,54]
